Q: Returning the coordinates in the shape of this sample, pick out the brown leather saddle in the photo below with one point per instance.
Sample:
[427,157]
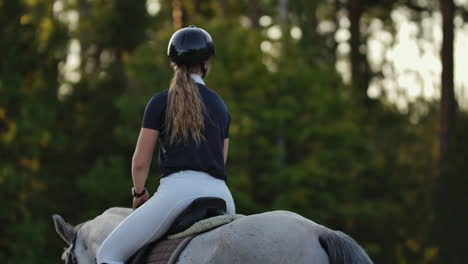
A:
[167,251]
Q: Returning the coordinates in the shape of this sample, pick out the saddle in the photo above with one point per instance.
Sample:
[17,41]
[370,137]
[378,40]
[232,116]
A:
[168,250]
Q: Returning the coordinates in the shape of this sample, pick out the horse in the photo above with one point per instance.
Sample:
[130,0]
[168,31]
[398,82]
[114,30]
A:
[270,237]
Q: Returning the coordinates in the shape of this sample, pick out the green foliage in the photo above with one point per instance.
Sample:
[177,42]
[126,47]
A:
[300,140]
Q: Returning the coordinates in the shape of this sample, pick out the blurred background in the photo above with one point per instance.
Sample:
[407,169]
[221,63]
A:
[351,113]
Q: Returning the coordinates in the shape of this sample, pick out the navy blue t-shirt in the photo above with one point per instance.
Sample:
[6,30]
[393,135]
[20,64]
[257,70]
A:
[207,156]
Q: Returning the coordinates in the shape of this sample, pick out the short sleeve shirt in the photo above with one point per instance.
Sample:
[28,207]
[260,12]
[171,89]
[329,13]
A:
[207,156]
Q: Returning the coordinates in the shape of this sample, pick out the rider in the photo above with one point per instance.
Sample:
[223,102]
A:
[192,124]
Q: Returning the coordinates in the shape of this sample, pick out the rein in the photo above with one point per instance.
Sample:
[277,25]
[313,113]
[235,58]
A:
[70,255]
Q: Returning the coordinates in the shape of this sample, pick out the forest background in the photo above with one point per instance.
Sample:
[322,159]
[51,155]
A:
[351,113]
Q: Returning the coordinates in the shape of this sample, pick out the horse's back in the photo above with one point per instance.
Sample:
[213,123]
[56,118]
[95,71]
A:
[272,237]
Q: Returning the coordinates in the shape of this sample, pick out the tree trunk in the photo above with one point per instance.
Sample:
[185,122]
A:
[178,14]
[83,11]
[312,23]
[445,206]
[337,6]
[223,6]
[447,103]
[281,148]
[254,13]
[283,10]
[354,13]
[359,68]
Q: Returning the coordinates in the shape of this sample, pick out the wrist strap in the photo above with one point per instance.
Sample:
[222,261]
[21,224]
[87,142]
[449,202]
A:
[138,195]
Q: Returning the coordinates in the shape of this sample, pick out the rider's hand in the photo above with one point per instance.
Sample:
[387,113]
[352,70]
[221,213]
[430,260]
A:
[137,202]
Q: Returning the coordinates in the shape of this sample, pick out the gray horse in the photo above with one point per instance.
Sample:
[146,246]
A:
[271,237]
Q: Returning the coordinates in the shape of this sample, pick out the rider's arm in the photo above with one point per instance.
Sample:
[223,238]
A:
[142,157]
[226,149]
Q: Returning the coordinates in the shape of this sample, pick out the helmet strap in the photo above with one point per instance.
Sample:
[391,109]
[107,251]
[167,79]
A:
[203,69]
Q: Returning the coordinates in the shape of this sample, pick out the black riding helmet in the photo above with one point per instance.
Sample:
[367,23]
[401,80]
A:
[190,45]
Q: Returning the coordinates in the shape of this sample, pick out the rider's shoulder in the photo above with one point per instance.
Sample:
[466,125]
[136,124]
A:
[159,97]
[162,94]
[212,95]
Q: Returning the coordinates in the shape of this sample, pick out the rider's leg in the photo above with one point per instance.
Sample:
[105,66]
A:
[154,218]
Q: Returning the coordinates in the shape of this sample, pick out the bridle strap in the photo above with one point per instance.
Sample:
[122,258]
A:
[71,257]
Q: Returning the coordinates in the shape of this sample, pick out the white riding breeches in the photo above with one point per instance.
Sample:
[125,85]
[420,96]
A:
[154,218]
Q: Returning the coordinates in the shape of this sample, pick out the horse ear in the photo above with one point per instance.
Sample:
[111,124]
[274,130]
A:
[64,229]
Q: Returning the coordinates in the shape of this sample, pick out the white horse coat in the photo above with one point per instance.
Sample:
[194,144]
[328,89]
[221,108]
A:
[271,237]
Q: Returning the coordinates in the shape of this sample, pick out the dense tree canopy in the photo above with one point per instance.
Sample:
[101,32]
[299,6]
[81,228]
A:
[75,77]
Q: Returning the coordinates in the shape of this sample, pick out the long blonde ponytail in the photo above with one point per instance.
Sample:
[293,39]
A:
[185,108]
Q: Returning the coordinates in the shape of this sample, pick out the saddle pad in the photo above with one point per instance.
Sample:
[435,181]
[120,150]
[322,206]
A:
[167,251]
[161,252]
[205,225]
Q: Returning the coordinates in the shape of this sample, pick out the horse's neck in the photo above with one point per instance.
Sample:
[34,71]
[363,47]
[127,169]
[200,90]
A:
[94,232]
